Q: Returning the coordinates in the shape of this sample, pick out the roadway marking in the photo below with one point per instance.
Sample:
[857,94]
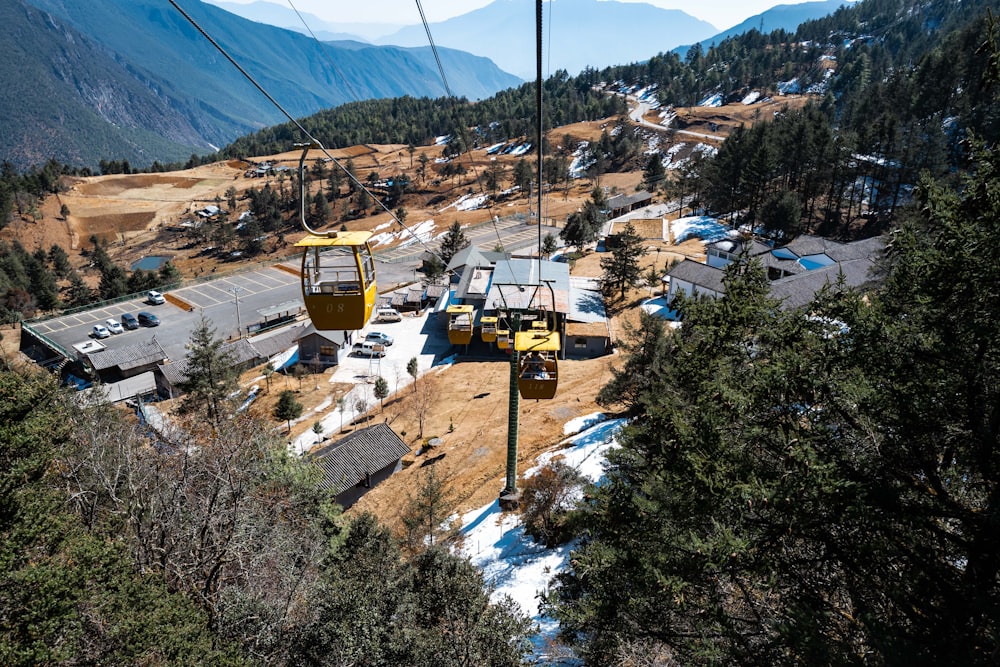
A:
[199,304]
[259,284]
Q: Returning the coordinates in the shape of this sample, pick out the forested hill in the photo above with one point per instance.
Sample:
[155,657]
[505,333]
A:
[509,113]
[897,81]
[85,81]
[63,96]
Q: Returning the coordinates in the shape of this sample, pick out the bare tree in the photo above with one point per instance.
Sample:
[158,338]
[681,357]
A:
[197,510]
[361,406]
[424,400]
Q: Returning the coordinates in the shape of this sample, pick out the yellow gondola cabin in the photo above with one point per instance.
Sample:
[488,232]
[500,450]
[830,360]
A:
[338,280]
[460,324]
[488,329]
[538,367]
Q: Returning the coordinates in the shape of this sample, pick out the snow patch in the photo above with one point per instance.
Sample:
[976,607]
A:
[509,559]
[711,101]
[703,227]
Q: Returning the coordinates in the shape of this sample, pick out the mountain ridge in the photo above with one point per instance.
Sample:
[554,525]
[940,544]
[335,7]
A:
[166,93]
[504,31]
[779,17]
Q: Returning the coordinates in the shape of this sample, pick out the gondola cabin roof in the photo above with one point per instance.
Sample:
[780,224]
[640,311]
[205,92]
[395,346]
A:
[540,341]
[457,309]
[341,239]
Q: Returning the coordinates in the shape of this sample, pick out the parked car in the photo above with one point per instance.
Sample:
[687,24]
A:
[148,319]
[388,315]
[368,349]
[379,337]
[129,321]
[155,298]
[114,326]
[100,331]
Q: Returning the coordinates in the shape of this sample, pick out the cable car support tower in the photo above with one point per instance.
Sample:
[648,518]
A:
[537,338]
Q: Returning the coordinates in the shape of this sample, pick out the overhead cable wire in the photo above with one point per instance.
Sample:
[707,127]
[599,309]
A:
[458,124]
[313,140]
[437,57]
[326,53]
[538,110]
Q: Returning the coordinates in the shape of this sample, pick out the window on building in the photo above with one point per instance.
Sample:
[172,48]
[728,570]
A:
[328,350]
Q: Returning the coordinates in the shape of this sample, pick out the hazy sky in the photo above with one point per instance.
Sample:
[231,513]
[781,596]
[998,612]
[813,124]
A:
[723,14]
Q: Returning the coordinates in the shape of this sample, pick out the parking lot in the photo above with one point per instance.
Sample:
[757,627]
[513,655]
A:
[216,300]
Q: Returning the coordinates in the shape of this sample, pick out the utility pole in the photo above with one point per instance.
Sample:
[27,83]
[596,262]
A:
[239,325]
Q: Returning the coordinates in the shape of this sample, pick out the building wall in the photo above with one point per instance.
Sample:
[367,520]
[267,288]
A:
[311,346]
[688,288]
[587,346]
[718,258]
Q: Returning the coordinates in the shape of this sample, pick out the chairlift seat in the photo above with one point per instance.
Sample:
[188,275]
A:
[460,324]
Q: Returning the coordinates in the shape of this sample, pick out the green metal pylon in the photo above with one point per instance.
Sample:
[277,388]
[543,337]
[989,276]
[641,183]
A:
[510,497]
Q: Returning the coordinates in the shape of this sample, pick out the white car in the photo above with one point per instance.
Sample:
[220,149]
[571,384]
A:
[100,331]
[154,297]
[114,326]
[379,338]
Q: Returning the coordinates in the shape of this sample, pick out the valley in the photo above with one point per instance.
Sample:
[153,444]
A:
[142,215]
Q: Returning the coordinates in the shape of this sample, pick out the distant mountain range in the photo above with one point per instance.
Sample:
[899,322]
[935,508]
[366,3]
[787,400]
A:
[133,80]
[779,17]
[283,16]
[578,34]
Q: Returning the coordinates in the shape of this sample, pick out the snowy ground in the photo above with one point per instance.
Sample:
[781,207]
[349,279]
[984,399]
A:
[467,202]
[411,339]
[703,227]
[511,560]
[422,232]
[661,308]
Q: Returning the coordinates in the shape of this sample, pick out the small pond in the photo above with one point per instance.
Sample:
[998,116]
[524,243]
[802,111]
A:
[151,263]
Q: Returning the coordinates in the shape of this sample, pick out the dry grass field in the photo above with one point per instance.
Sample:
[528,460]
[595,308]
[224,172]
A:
[133,213]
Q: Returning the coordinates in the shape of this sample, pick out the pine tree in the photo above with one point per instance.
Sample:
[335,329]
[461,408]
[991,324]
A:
[413,370]
[584,226]
[426,511]
[210,373]
[549,245]
[820,487]
[454,241]
[381,390]
[622,269]
[654,175]
[287,408]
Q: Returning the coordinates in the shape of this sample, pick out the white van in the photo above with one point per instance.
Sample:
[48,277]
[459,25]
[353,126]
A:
[388,315]
[368,349]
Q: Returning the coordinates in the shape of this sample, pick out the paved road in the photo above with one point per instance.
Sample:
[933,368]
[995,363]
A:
[515,233]
[638,114]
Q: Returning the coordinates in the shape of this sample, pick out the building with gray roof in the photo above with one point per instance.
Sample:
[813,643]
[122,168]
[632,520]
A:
[796,271]
[114,365]
[354,465]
